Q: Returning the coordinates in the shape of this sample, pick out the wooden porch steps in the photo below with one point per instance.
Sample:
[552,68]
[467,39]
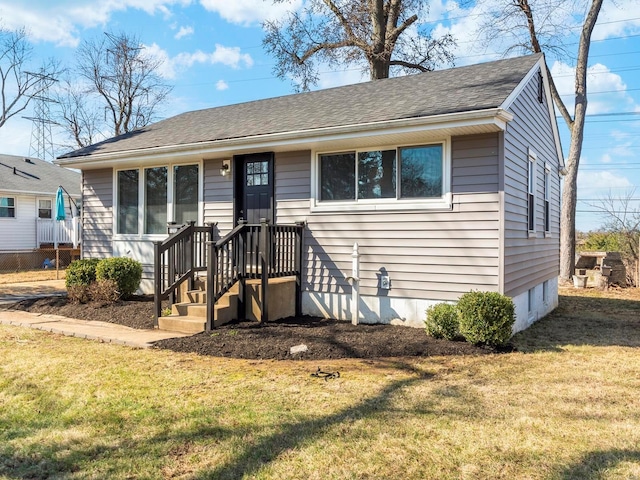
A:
[189,315]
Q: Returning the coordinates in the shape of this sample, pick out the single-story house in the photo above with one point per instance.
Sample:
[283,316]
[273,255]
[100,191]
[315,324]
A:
[27,209]
[447,181]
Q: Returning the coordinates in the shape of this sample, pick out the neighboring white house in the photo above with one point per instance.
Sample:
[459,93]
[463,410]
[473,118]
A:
[448,181]
[28,189]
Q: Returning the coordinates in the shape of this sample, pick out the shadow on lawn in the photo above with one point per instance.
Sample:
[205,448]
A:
[595,465]
[582,320]
[62,457]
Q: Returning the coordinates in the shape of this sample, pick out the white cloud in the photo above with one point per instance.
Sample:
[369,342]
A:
[183,32]
[617,19]
[229,56]
[222,85]
[590,181]
[599,79]
[248,12]
[606,158]
[59,22]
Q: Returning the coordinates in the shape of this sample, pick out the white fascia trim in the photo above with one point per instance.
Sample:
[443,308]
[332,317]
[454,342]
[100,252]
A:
[28,192]
[494,116]
[542,65]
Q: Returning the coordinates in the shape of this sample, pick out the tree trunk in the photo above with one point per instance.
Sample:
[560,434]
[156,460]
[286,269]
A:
[379,69]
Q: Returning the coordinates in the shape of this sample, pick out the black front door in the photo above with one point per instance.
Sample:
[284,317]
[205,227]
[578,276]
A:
[254,187]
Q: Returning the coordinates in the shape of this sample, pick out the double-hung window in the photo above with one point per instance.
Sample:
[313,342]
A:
[531,196]
[547,211]
[385,175]
[7,207]
[149,198]
[44,208]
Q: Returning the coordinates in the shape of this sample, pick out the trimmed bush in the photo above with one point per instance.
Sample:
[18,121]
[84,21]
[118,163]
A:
[442,321]
[486,317]
[104,291]
[78,293]
[81,272]
[125,272]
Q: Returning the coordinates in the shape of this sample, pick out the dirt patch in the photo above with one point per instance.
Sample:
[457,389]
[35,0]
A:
[323,339]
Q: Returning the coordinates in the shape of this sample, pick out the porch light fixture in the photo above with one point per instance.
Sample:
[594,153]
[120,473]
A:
[225,168]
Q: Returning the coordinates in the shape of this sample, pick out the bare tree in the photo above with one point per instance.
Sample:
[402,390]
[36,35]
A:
[376,35]
[622,221]
[17,85]
[120,90]
[510,21]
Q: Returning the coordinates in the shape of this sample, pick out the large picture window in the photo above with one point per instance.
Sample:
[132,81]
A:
[149,198]
[128,201]
[185,194]
[422,171]
[155,200]
[7,207]
[415,172]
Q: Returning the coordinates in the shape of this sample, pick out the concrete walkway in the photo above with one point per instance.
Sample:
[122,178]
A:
[92,330]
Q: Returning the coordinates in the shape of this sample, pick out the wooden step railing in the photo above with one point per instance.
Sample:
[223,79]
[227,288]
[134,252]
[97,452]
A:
[253,251]
[177,259]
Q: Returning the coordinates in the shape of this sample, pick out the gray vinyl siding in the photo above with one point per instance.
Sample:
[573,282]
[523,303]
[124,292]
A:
[218,197]
[97,213]
[529,259]
[434,255]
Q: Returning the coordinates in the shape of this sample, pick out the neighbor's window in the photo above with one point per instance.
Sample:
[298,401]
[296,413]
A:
[185,193]
[128,201]
[373,174]
[44,208]
[422,171]
[547,211]
[531,197]
[155,200]
[7,207]
[545,291]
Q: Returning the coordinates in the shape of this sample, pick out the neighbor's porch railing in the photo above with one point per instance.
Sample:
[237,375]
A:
[54,232]
[177,259]
[252,251]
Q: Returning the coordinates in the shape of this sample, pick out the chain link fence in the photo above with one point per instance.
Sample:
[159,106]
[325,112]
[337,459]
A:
[43,258]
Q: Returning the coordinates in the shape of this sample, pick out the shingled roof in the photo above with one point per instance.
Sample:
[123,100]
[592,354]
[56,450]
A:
[32,175]
[462,89]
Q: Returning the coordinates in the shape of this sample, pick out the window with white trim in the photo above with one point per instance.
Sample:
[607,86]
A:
[149,198]
[44,208]
[531,298]
[7,207]
[545,292]
[531,196]
[547,205]
[412,172]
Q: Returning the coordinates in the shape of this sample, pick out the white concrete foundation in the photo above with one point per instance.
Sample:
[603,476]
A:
[539,308]
[412,312]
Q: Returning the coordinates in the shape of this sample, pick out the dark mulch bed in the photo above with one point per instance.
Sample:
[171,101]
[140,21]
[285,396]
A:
[323,338]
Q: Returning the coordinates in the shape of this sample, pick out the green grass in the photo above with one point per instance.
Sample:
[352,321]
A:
[566,406]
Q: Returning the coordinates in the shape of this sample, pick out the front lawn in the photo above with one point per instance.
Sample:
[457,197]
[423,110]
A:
[565,406]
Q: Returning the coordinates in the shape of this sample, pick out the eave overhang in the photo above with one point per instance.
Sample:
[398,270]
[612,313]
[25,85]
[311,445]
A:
[403,131]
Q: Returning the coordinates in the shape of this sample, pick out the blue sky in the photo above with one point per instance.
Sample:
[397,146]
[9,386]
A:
[213,55]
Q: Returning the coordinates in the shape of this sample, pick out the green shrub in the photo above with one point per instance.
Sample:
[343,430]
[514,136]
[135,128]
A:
[442,321]
[126,272]
[104,291]
[486,317]
[81,272]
